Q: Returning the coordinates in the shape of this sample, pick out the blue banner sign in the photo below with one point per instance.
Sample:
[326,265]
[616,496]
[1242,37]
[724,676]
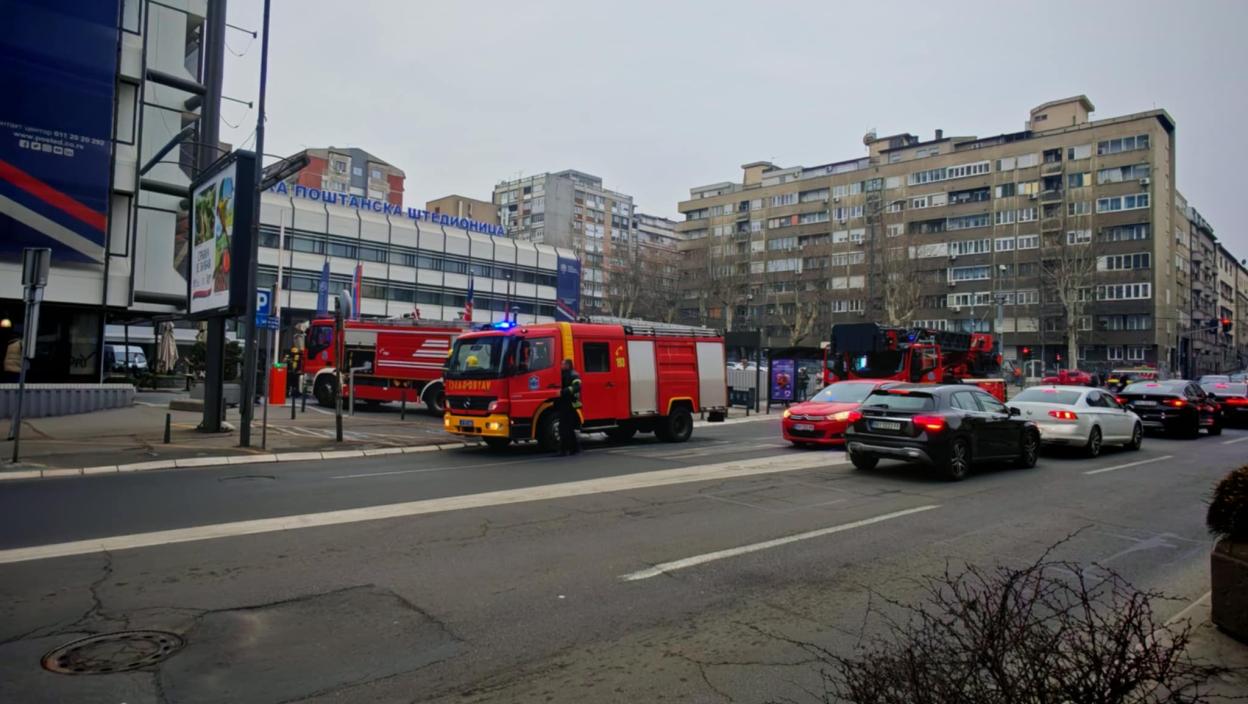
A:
[348,200]
[56,126]
[568,289]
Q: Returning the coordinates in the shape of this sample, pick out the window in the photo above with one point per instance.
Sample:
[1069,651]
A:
[892,182]
[1125,144]
[962,247]
[597,357]
[847,258]
[951,172]
[967,222]
[1006,164]
[808,218]
[1028,242]
[783,199]
[1005,190]
[1081,207]
[791,264]
[989,404]
[1123,173]
[1120,262]
[857,234]
[376,173]
[846,306]
[1116,203]
[1005,244]
[1027,214]
[538,353]
[1028,188]
[1078,236]
[1135,354]
[340,166]
[782,243]
[1078,180]
[1006,217]
[812,196]
[1028,160]
[896,229]
[963,400]
[970,273]
[1083,151]
[1113,352]
[1124,233]
[1124,292]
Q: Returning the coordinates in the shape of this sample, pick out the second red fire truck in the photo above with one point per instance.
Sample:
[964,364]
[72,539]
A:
[916,355]
[502,383]
[395,357]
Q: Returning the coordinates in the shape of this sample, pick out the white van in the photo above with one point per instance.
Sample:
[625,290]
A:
[121,358]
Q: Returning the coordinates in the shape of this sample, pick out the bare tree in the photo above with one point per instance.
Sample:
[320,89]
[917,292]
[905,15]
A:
[1069,269]
[899,282]
[642,283]
[716,278]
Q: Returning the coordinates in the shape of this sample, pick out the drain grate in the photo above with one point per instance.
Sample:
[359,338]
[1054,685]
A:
[112,652]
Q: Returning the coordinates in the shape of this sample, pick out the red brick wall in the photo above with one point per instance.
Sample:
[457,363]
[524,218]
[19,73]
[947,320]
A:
[396,189]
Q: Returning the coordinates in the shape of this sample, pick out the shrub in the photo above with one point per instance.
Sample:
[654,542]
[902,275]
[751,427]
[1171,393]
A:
[1228,512]
[1052,632]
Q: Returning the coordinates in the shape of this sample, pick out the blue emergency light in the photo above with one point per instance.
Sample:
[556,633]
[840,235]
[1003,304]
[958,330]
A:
[503,325]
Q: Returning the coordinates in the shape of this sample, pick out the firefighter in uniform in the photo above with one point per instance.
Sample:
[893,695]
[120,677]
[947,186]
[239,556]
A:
[569,404]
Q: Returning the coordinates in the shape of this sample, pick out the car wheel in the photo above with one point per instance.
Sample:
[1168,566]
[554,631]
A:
[324,391]
[1194,430]
[864,462]
[1137,438]
[1029,453]
[497,444]
[959,463]
[1216,428]
[435,400]
[1093,446]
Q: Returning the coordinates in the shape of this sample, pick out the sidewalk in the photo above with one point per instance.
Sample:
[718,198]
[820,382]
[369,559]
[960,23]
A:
[1211,646]
[127,436]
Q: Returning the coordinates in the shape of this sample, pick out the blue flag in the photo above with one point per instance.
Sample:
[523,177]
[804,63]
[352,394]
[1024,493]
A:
[322,292]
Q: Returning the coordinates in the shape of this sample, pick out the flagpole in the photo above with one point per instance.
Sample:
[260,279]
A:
[277,287]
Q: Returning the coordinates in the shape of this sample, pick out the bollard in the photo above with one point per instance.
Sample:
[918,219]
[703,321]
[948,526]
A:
[403,403]
[292,404]
[351,409]
[338,426]
[303,394]
[168,428]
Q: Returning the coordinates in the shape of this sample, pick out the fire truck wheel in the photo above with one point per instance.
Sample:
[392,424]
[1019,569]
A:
[622,433]
[497,444]
[548,431]
[435,399]
[324,391]
[676,427]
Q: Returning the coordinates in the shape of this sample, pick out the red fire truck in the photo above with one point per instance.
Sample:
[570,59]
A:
[502,383]
[401,355]
[916,355]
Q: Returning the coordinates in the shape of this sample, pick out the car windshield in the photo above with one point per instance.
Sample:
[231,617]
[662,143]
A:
[478,357]
[1224,388]
[1155,387]
[900,400]
[877,365]
[1039,395]
[843,393]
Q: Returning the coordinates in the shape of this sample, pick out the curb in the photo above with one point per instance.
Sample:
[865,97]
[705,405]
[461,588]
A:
[225,460]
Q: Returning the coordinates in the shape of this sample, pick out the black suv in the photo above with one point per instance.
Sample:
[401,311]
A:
[1173,406]
[947,426]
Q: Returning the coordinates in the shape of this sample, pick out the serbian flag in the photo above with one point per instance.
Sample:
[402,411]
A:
[468,300]
[355,290]
[322,292]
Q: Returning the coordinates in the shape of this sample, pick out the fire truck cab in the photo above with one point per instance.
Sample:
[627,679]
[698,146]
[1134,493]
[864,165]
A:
[915,355]
[502,383]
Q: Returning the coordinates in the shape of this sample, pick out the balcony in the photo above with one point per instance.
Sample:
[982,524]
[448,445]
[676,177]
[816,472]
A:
[1051,168]
[1051,195]
[1050,224]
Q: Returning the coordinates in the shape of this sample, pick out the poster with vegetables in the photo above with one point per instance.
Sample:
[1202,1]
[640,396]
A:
[212,227]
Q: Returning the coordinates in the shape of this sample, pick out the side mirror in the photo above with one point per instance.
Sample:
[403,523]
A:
[1015,411]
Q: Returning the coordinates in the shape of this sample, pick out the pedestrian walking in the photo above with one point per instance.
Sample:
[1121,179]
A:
[569,404]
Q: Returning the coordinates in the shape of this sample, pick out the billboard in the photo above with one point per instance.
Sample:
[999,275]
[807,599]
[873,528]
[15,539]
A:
[568,289]
[782,379]
[222,202]
[56,125]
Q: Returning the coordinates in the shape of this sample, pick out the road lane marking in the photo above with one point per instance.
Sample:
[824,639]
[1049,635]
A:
[1232,442]
[666,567]
[1189,608]
[719,471]
[429,469]
[1129,464]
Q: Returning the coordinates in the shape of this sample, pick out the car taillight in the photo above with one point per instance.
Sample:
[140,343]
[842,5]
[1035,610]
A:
[1236,401]
[1122,400]
[1064,415]
[1175,402]
[852,416]
[932,423]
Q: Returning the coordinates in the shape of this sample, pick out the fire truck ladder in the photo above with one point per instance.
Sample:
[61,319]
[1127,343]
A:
[646,327]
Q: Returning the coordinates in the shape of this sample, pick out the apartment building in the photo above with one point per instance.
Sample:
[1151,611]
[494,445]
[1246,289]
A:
[646,282]
[465,207]
[571,209]
[352,171]
[1056,237]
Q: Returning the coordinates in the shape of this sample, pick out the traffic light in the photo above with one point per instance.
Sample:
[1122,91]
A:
[1059,357]
[1026,353]
[1227,325]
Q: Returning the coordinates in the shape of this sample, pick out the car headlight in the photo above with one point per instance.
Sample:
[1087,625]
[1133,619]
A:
[841,416]
[787,413]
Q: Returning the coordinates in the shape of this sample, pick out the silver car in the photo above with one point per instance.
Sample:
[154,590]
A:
[1079,416]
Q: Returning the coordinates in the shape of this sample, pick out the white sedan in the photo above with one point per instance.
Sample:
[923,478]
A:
[1079,416]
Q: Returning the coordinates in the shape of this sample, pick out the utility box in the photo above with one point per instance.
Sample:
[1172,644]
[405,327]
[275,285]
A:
[277,385]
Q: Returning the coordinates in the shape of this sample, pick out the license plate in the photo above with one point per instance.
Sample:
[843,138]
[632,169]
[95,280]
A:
[1143,403]
[465,424]
[803,426]
[885,425]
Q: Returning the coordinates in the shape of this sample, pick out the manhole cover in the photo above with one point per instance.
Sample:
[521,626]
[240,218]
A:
[112,652]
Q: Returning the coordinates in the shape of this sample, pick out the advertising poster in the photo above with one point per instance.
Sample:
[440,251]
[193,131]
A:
[212,228]
[782,379]
[56,126]
[568,289]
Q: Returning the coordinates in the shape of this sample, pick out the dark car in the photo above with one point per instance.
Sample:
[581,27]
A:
[948,427]
[1174,406]
[1233,399]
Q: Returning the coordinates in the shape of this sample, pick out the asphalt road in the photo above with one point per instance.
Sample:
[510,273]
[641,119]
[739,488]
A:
[634,572]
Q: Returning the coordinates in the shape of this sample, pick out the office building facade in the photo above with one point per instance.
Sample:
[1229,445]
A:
[1059,237]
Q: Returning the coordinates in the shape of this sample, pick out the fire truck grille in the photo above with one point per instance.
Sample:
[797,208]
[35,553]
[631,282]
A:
[469,403]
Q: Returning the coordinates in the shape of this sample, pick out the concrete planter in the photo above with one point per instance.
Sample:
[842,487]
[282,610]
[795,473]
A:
[231,392]
[43,400]
[1229,584]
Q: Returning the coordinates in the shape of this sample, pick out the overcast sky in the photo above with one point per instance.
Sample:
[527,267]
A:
[659,96]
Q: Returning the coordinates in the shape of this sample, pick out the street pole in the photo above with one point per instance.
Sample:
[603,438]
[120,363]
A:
[36,261]
[248,401]
[207,153]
